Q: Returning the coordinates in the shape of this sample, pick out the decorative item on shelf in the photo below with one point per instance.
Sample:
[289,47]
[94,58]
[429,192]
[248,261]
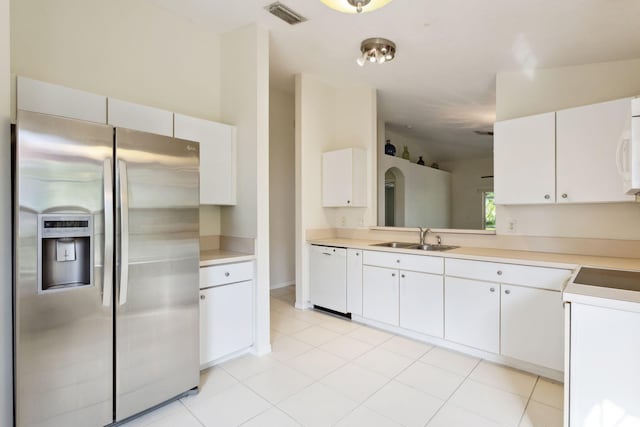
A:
[355,6]
[405,153]
[434,165]
[389,148]
[377,50]
[420,161]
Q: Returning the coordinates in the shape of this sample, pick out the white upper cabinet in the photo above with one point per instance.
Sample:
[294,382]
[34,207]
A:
[217,157]
[344,178]
[525,160]
[589,151]
[571,156]
[140,117]
[47,98]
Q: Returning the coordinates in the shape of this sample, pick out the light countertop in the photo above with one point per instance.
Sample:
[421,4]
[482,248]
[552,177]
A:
[219,256]
[543,259]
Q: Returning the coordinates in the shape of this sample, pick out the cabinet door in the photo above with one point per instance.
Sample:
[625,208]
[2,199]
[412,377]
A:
[328,277]
[226,320]
[532,326]
[525,160]
[354,281]
[47,98]
[588,147]
[344,178]
[422,303]
[380,294]
[472,313]
[604,382]
[140,117]
[337,181]
[217,157]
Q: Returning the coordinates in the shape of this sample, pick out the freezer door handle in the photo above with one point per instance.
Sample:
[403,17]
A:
[124,231]
[107,278]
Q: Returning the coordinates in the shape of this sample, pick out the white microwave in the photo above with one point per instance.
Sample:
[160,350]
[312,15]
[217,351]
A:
[629,152]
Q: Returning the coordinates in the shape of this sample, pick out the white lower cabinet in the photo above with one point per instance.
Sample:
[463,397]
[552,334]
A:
[226,320]
[472,313]
[531,326]
[604,379]
[380,294]
[422,303]
[354,281]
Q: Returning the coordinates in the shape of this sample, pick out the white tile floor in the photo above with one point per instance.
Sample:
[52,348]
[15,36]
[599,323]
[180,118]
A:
[325,371]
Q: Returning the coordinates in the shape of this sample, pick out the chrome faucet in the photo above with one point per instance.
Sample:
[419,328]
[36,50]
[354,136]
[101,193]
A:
[424,232]
[439,240]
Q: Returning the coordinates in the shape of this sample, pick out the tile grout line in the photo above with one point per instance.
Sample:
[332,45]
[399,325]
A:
[528,401]
[454,392]
[192,414]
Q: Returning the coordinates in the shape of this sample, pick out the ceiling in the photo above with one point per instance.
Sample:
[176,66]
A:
[441,86]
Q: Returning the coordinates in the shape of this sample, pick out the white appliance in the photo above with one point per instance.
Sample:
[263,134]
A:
[629,152]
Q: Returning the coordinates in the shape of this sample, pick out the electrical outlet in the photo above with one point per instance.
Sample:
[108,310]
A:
[343,221]
[512,226]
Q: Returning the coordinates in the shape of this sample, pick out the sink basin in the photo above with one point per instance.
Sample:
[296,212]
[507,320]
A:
[432,247]
[402,245]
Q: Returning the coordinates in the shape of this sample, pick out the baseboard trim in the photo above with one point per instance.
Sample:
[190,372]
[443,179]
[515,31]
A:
[282,285]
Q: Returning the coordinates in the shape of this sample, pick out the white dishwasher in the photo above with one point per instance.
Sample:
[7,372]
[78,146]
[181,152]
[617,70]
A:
[328,278]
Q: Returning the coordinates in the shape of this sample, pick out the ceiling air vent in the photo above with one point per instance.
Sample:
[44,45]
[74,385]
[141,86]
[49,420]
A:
[284,13]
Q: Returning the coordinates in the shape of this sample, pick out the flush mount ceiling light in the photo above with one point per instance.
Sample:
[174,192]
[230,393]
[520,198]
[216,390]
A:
[376,50]
[355,6]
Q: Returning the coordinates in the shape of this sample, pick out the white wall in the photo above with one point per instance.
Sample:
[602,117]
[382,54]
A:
[245,102]
[427,193]
[6,322]
[467,186]
[128,50]
[281,188]
[329,118]
[553,89]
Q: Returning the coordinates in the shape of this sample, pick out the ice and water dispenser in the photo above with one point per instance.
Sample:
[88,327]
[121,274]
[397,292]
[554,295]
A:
[65,252]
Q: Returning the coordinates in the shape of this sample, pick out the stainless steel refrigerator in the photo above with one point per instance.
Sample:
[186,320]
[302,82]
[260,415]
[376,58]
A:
[106,257]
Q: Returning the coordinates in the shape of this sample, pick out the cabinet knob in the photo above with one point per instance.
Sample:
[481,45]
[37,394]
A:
[546,196]
[357,253]
[226,274]
[492,289]
[393,274]
[564,195]
[402,275]
[507,291]
[398,261]
[202,297]
[499,272]
[348,201]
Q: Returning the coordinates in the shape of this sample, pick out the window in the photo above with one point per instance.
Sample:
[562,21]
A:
[488,211]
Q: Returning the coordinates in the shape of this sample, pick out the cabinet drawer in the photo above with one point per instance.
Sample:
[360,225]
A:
[421,263]
[226,273]
[535,277]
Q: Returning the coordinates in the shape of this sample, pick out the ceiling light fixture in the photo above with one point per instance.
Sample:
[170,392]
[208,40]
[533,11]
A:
[376,50]
[355,6]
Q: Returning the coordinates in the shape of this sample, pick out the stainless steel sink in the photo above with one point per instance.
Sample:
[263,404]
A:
[400,245]
[432,247]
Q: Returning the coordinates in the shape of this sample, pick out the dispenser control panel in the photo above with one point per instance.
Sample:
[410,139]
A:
[65,252]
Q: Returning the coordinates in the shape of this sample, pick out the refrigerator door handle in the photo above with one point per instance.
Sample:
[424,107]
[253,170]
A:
[124,231]
[107,278]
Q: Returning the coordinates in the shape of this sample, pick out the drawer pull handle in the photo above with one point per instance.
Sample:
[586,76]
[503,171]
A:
[492,289]
[499,273]
[202,297]
[226,274]
[507,292]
